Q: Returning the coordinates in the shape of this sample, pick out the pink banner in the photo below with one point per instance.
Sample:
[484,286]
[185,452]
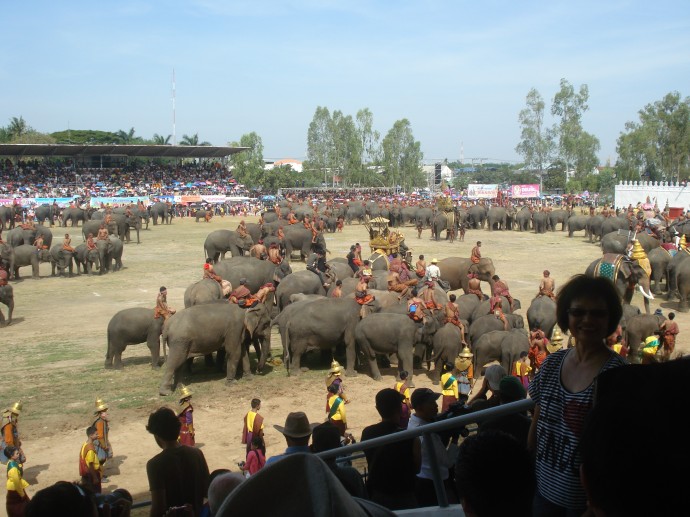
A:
[525,191]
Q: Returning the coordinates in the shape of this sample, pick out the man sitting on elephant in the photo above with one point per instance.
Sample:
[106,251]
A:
[209,273]
[547,286]
[258,250]
[501,289]
[396,285]
[498,312]
[90,244]
[291,219]
[242,296]
[316,263]
[474,286]
[429,298]
[242,229]
[274,253]
[162,308]
[453,316]
[102,233]
[67,244]
[475,257]
[263,291]
[420,267]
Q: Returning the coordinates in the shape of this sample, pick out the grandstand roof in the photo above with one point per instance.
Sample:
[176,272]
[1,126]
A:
[156,151]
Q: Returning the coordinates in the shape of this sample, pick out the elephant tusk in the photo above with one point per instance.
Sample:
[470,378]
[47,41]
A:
[649,296]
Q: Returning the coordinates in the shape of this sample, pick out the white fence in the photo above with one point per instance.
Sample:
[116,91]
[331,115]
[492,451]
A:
[661,192]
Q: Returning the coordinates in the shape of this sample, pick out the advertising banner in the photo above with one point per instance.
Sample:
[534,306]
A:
[481,191]
[213,199]
[525,190]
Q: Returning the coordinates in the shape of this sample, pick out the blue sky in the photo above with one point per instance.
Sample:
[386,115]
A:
[458,70]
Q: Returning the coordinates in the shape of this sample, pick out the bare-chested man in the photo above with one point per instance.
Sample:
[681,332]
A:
[274,253]
[396,285]
[420,267]
[453,316]
[475,257]
[547,286]
[429,298]
[102,233]
[259,251]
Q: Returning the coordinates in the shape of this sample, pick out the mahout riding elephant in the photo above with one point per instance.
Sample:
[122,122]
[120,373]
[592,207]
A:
[629,274]
[61,260]
[354,211]
[87,259]
[386,334]
[138,215]
[323,324]
[424,216]
[7,258]
[109,254]
[446,346]
[304,282]
[477,216]
[594,226]
[92,227]
[615,243]
[501,346]
[6,298]
[74,215]
[484,308]
[27,255]
[497,215]
[578,223]
[659,258]
[203,329]
[18,236]
[523,218]
[7,214]
[454,270]
[637,329]
[205,290]
[161,210]
[298,238]
[542,312]
[219,242]
[131,327]
[46,211]
[558,216]
[490,322]
[385,300]
[540,221]
[671,272]
[257,272]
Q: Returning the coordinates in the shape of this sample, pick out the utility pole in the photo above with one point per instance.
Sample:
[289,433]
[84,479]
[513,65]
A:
[174,135]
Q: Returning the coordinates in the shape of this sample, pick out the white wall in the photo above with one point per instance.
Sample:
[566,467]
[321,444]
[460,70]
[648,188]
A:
[633,192]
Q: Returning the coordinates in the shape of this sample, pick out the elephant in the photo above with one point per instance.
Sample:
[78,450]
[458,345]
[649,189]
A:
[7,215]
[438,224]
[109,251]
[124,224]
[219,242]
[203,291]
[540,222]
[523,218]
[354,211]
[477,216]
[558,216]
[501,346]
[138,216]
[629,273]
[61,259]
[206,215]
[257,272]
[578,223]
[682,282]
[321,324]
[204,329]
[542,312]
[637,329]
[304,282]
[7,258]
[299,238]
[594,226]
[394,334]
[467,304]
[454,270]
[26,255]
[74,215]
[131,327]
[270,216]
[408,215]
[659,258]
[498,216]
[671,271]
[86,259]
[446,346]
[614,243]
[341,268]
[613,224]
[45,211]
[18,236]
[490,322]
[256,231]
[6,298]
[424,216]
[484,308]
[161,210]
[92,227]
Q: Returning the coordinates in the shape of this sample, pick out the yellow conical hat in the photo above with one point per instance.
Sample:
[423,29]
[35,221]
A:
[335,367]
[637,251]
[16,408]
[556,341]
[185,392]
[466,353]
[100,406]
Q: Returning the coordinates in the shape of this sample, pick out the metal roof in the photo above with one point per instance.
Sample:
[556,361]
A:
[155,151]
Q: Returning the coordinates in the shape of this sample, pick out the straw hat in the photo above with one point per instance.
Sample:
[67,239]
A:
[185,392]
[100,406]
[434,261]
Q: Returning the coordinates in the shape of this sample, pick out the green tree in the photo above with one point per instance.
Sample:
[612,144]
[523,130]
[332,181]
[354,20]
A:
[126,137]
[370,146]
[18,127]
[320,141]
[33,137]
[536,144]
[160,139]
[346,153]
[192,140]
[84,136]
[402,157]
[248,166]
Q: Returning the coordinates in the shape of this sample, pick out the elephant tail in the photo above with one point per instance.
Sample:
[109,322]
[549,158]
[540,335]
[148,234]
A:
[285,335]
[164,339]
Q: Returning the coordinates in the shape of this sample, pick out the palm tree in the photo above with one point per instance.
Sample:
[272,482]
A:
[161,140]
[125,137]
[192,140]
[17,127]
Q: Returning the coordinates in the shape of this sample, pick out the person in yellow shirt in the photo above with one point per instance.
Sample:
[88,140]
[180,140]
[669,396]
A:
[336,410]
[253,426]
[522,369]
[89,464]
[16,495]
[450,387]
[402,388]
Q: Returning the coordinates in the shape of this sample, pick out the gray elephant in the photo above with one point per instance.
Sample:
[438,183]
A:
[446,346]
[659,259]
[49,212]
[467,304]
[490,322]
[497,216]
[501,346]
[424,217]
[540,222]
[204,329]
[408,214]
[219,242]
[256,231]
[74,215]
[61,260]
[682,281]
[160,210]
[92,227]
[629,273]
[298,238]
[578,223]
[671,271]
[324,324]
[484,308]
[354,211]
[109,254]
[387,334]
[542,313]
[558,216]
[340,268]
[523,218]
[454,270]
[304,282]
[7,258]
[27,255]
[637,329]
[203,291]
[131,327]
[477,216]
[6,298]
[7,215]
[206,215]
[257,272]
[612,224]
[86,259]
[438,224]
[594,226]
[615,243]
[18,235]
[124,224]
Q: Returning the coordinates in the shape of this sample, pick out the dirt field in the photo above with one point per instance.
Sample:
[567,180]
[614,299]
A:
[54,351]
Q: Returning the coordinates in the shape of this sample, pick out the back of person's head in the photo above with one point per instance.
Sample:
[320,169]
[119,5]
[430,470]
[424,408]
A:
[9,451]
[452,298]
[510,389]
[494,476]
[256,403]
[388,403]
[257,441]
[333,389]
[620,441]
[164,424]
[90,430]
[221,487]
[594,288]
[325,437]
[62,499]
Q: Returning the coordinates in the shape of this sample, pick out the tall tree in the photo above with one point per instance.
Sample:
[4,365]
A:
[161,140]
[346,153]
[370,147]
[320,141]
[18,127]
[576,147]
[248,166]
[536,144]
[125,137]
[402,157]
[192,140]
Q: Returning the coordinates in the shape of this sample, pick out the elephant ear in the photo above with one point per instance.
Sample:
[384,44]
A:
[252,317]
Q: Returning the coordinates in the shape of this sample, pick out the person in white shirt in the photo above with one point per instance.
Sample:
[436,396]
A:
[433,273]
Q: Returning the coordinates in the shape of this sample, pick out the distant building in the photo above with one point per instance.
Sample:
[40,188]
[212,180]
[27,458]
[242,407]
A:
[296,165]
[430,171]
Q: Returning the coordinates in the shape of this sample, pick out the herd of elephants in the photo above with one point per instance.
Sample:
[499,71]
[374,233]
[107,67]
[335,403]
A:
[306,316]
